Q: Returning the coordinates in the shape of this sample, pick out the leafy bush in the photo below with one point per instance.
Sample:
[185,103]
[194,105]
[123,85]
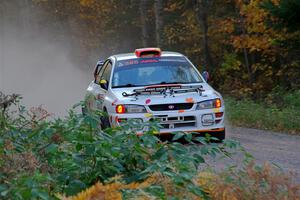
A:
[59,158]
[249,182]
[41,158]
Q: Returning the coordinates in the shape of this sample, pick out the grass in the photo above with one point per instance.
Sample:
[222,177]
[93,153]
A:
[268,116]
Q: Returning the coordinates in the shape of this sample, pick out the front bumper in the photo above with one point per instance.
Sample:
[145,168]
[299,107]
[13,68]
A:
[183,120]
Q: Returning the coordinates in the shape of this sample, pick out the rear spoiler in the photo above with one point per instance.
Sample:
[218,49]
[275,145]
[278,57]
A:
[166,89]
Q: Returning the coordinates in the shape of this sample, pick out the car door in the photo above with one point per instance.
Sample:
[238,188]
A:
[94,90]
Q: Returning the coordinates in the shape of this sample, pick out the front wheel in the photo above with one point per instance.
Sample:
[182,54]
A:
[220,135]
[105,121]
[83,110]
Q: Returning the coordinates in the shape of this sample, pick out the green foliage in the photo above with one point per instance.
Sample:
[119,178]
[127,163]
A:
[288,11]
[292,100]
[41,158]
[283,117]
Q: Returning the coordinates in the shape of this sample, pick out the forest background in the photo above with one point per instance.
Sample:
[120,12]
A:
[250,48]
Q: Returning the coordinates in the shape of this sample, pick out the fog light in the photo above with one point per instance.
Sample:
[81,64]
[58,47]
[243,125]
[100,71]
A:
[207,120]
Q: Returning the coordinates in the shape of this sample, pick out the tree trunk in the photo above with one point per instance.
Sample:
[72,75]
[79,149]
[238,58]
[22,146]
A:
[158,8]
[143,16]
[201,7]
[245,52]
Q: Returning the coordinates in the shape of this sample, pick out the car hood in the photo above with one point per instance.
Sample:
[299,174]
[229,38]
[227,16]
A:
[209,93]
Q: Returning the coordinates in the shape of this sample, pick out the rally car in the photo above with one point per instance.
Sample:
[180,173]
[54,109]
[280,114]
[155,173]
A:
[151,84]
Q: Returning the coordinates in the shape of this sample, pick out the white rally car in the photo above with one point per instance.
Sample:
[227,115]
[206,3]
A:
[153,84]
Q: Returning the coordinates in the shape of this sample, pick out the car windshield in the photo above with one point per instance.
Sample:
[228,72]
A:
[152,71]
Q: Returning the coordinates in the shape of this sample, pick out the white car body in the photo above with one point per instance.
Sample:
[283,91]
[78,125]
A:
[166,107]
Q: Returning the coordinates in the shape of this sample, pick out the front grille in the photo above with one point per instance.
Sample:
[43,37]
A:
[175,122]
[170,107]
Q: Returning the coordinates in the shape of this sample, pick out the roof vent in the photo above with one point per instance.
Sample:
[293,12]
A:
[148,52]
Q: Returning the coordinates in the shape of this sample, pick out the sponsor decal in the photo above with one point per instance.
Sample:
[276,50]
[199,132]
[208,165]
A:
[114,102]
[148,115]
[100,96]
[189,100]
[216,109]
[149,61]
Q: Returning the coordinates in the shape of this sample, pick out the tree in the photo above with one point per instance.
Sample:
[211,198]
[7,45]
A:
[287,11]
[202,8]
[143,17]
[158,9]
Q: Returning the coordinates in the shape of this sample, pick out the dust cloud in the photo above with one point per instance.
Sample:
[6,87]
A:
[32,65]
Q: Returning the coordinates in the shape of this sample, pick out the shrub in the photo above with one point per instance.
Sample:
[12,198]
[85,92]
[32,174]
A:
[40,158]
[250,182]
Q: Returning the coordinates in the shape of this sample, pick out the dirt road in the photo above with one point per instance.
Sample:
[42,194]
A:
[281,149]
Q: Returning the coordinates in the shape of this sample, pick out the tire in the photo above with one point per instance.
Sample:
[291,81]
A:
[83,110]
[105,121]
[220,135]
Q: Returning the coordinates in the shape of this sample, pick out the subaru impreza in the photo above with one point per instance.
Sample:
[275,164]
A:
[150,84]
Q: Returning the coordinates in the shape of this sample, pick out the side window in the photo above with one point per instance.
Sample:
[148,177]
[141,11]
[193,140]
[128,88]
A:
[100,72]
[107,72]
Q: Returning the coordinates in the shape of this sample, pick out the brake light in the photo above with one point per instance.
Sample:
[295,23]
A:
[120,109]
[148,52]
[218,103]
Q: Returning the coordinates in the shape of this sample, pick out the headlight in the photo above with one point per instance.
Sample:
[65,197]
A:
[130,109]
[214,103]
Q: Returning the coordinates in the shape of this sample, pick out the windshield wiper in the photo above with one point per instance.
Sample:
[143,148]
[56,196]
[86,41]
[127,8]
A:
[127,85]
[165,83]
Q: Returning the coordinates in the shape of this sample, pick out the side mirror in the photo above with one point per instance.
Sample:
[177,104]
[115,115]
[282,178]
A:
[103,83]
[205,75]
[97,69]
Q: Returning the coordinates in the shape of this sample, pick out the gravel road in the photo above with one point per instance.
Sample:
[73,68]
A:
[281,149]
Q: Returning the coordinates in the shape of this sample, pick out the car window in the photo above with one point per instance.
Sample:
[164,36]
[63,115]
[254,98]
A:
[107,72]
[97,72]
[102,68]
[150,71]
[100,72]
